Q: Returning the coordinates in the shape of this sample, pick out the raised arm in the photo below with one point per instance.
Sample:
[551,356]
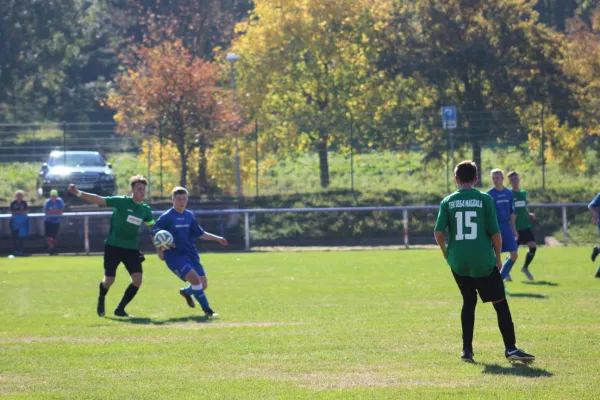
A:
[213,238]
[89,197]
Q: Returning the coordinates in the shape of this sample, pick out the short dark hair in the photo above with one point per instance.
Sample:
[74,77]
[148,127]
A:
[138,179]
[179,190]
[466,171]
[512,173]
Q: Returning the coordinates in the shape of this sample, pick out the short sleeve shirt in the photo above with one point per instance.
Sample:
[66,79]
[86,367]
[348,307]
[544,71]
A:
[126,220]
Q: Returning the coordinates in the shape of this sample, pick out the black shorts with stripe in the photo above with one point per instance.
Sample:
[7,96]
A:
[113,256]
[526,236]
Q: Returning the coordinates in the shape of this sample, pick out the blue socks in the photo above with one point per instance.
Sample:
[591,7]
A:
[508,264]
[198,295]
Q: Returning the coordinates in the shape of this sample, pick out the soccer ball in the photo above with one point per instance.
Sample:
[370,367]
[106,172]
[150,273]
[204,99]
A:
[163,239]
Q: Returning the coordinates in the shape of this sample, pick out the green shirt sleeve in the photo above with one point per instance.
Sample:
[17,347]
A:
[442,219]
[149,219]
[491,222]
[117,201]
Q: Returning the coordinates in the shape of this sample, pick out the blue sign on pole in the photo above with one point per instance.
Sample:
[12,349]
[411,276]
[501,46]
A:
[449,117]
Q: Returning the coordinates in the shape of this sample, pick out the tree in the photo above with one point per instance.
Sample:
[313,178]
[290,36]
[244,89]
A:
[304,68]
[481,56]
[168,92]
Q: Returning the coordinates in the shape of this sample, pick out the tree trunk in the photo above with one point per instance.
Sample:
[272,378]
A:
[323,162]
[477,160]
[202,173]
[183,169]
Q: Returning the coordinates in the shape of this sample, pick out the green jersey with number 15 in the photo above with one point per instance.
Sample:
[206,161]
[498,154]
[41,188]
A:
[470,217]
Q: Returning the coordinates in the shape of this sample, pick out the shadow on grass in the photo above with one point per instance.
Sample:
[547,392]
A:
[516,369]
[540,283]
[150,321]
[529,295]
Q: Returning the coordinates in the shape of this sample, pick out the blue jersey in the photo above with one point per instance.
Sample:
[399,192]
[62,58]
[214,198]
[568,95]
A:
[185,231]
[504,203]
[59,204]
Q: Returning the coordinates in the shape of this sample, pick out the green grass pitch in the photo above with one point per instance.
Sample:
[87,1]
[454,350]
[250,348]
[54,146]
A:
[328,325]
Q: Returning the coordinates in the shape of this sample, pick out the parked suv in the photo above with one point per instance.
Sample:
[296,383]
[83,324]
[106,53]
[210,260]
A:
[87,169]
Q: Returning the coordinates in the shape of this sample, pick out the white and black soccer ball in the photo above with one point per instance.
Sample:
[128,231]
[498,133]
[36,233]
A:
[163,239]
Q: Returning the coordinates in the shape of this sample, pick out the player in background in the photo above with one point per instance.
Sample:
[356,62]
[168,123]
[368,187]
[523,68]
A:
[121,246]
[523,221]
[53,210]
[593,207]
[182,257]
[474,256]
[505,212]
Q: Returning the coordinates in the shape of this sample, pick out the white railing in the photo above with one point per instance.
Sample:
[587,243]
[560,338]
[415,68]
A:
[246,212]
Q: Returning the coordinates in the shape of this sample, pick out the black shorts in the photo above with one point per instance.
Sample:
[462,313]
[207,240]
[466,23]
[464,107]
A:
[113,256]
[490,287]
[525,236]
[51,229]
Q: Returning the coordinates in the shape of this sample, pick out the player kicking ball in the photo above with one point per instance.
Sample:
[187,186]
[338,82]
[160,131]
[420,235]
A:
[474,255]
[523,221]
[182,256]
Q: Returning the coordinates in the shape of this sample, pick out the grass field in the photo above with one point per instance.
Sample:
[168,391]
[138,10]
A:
[330,325]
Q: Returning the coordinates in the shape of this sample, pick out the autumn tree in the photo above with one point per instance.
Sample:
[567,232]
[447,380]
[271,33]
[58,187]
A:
[168,92]
[480,56]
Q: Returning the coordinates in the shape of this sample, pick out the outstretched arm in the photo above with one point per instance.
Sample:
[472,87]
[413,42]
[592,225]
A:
[89,197]
[214,238]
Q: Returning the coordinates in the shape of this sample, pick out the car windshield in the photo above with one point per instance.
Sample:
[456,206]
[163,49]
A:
[75,160]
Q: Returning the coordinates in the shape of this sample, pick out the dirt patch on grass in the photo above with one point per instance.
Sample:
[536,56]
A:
[293,249]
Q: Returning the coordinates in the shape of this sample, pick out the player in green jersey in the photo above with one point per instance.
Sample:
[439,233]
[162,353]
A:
[523,221]
[474,255]
[121,246]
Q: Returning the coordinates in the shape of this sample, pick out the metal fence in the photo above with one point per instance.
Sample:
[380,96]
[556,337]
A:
[240,225]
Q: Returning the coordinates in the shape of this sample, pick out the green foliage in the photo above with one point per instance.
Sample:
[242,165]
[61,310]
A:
[318,325]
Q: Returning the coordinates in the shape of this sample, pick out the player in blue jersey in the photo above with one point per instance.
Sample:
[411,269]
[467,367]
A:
[505,212]
[182,258]
[593,207]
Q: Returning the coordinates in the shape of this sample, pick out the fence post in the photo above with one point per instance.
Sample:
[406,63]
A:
[86,238]
[246,232]
[405,223]
[564,225]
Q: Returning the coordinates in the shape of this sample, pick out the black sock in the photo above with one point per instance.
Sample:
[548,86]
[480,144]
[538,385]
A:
[130,293]
[529,257]
[103,290]
[467,320]
[505,323]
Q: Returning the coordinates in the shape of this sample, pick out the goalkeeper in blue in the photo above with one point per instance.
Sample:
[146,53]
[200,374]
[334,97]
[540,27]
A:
[182,256]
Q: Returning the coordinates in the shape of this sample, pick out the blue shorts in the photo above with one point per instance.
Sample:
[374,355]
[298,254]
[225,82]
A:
[182,265]
[509,243]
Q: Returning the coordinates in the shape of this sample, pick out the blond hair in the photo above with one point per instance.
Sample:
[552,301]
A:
[179,190]
[497,171]
[138,179]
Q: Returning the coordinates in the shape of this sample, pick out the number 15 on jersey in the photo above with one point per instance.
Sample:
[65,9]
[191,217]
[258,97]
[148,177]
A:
[466,227]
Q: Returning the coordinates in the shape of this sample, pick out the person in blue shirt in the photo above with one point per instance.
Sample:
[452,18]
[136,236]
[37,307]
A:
[505,212]
[182,257]
[19,222]
[53,209]
[593,207]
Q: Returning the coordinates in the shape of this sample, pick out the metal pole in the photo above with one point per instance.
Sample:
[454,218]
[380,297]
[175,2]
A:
[238,178]
[543,153]
[405,223]
[452,148]
[86,232]
[149,164]
[447,169]
[64,129]
[256,153]
[351,155]
[246,232]
[564,226]
[161,159]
